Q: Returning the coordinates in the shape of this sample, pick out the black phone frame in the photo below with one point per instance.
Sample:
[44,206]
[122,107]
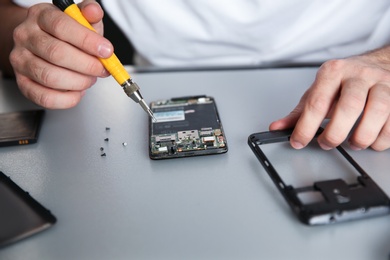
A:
[341,202]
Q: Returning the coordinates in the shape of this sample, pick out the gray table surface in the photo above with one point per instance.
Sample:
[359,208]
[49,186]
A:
[126,206]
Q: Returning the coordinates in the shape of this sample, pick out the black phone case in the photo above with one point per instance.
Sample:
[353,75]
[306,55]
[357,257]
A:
[20,214]
[342,201]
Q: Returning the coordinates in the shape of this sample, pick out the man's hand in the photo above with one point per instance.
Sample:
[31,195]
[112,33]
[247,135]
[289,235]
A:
[54,57]
[352,92]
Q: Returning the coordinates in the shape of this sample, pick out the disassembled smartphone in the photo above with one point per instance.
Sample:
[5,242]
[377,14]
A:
[185,126]
[336,199]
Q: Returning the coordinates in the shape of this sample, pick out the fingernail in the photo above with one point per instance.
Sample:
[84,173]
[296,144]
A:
[355,148]
[297,145]
[83,93]
[105,73]
[325,147]
[104,50]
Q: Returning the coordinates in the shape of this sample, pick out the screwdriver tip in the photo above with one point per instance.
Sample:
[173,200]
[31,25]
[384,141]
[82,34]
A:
[147,110]
[150,112]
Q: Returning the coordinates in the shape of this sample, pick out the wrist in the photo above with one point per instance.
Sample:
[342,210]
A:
[379,56]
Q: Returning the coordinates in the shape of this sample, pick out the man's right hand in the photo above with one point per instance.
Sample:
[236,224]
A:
[55,58]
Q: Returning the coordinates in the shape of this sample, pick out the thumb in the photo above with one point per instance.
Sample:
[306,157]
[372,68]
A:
[93,12]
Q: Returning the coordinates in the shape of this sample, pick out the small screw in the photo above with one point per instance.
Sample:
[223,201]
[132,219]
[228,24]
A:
[103,154]
[101,148]
[124,144]
[107,128]
[106,139]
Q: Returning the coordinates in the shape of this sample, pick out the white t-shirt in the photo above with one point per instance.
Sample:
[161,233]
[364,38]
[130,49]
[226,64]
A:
[249,32]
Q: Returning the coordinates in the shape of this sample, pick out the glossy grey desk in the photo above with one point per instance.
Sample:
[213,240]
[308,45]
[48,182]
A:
[125,206]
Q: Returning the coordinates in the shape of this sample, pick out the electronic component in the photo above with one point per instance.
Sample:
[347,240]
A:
[20,128]
[185,126]
[350,194]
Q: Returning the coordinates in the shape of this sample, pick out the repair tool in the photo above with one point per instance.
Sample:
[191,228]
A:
[112,64]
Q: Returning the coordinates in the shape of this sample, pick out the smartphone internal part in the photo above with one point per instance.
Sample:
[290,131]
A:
[184,141]
[336,199]
[185,126]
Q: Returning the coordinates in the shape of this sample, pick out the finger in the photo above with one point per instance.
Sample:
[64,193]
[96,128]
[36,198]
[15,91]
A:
[46,97]
[383,141]
[65,55]
[65,28]
[318,103]
[375,116]
[93,12]
[346,112]
[49,75]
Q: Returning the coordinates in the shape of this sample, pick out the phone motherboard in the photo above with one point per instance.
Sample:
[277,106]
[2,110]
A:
[186,126]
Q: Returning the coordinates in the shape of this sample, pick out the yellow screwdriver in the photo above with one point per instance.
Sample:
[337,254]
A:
[112,64]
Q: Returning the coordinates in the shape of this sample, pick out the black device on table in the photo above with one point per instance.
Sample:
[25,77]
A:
[185,127]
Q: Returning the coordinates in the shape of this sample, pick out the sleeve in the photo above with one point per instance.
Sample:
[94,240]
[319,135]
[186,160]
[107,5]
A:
[28,3]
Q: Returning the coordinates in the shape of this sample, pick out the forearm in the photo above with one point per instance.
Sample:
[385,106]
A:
[11,15]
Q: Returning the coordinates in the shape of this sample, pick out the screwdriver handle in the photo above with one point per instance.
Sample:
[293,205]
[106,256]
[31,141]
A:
[112,64]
